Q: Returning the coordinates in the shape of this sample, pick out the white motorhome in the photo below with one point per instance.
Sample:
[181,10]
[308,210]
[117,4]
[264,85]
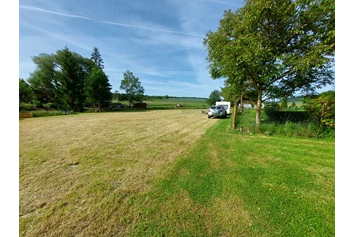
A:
[226,105]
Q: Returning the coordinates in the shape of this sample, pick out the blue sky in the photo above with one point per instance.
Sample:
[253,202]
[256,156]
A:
[160,41]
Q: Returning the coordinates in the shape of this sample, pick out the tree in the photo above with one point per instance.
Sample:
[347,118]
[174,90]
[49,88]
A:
[116,95]
[232,92]
[277,45]
[69,81]
[26,93]
[214,96]
[324,24]
[96,58]
[293,105]
[322,108]
[42,79]
[99,88]
[237,93]
[283,103]
[87,67]
[133,87]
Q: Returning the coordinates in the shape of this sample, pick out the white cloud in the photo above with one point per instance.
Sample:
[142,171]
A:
[142,27]
[31,8]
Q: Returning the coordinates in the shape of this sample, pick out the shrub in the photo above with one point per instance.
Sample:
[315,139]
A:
[50,106]
[271,107]
[322,108]
[290,116]
[42,113]
[38,104]
[293,105]
[27,107]
[283,104]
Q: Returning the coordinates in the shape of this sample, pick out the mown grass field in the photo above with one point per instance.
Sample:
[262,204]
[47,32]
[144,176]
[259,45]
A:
[159,173]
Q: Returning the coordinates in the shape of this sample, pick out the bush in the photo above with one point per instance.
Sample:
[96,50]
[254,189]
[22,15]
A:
[283,104]
[50,106]
[274,114]
[271,107]
[38,104]
[27,107]
[290,116]
[42,113]
[293,105]
[309,129]
[322,108]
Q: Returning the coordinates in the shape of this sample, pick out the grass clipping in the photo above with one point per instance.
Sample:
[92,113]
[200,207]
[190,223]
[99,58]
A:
[77,172]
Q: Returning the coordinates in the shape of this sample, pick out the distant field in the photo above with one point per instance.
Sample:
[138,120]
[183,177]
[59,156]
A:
[192,103]
[297,100]
[170,103]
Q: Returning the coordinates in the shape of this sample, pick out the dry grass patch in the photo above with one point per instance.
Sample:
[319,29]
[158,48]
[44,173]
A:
[77,171]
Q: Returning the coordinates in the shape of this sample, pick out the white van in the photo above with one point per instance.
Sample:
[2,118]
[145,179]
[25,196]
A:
[226,105]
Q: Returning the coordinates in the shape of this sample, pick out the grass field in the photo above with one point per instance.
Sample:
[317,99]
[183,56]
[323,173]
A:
[159,173]
[170,103]
[192,103]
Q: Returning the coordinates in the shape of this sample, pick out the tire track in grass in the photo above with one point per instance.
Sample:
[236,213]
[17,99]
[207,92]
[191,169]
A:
[193,198]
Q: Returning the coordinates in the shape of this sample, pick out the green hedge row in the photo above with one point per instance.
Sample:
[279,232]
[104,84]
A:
[291,116]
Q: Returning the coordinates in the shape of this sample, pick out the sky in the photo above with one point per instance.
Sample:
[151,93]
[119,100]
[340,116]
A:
[159,41]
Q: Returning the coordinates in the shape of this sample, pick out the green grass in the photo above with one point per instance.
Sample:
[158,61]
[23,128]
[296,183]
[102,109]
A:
[223,183]
[243,185]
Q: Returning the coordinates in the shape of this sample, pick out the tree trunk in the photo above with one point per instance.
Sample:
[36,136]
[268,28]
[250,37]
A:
[99,107]
[241,104]
[235,114]
[258,110]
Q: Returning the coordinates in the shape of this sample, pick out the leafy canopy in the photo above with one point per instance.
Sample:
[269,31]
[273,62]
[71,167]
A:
[214,96]
[277,46]
[99,88]
[132,87]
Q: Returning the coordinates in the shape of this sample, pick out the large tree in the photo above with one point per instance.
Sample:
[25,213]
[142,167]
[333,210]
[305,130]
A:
[279,46]
[238,94]
[69,81]
[132,87]
[214,96]
[99,88]
[42,79]
[64,78]
[96,58]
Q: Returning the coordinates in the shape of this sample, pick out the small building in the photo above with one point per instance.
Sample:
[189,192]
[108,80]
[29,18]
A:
[140,105]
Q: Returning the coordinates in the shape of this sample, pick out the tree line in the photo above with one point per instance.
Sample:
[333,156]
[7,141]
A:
[68,81]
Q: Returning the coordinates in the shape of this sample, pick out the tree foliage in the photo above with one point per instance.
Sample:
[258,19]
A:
[26,93]
[283,105]
[115,95]
[278,46]
[42,79]
[99,88]
[214,96]
[69,81]
[132,87]
[96,58]
[322,108]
